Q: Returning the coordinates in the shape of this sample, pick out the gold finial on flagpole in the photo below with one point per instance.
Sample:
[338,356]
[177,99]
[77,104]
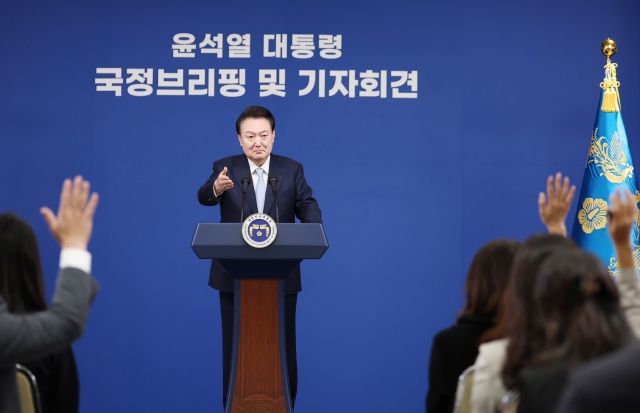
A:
[610,84]
[609,48]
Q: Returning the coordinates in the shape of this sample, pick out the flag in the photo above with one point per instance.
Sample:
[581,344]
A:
[609,166]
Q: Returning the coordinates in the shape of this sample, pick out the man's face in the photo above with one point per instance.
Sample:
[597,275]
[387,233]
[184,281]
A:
[256,139]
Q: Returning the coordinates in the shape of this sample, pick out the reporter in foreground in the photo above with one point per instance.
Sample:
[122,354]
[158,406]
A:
[578,313]
[456,348]
[609,383]
[487,387]
[30,336]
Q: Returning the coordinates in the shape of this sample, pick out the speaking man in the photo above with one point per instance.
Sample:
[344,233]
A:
[256,128]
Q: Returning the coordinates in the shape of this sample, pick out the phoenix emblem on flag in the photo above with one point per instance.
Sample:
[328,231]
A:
[609,156]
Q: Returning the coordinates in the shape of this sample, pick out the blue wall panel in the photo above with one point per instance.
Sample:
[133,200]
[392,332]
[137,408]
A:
[409,188]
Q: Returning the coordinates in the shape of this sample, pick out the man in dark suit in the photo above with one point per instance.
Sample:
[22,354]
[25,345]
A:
[256,134]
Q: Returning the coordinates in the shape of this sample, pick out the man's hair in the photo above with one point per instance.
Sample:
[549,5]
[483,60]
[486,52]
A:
[256,112]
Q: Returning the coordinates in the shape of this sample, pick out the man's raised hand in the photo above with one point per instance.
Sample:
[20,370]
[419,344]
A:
[554,207]
[222,183]
[73,225]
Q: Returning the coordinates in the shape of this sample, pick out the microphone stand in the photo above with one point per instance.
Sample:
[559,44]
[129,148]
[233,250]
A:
[245,183]
[244,197]
[273,180]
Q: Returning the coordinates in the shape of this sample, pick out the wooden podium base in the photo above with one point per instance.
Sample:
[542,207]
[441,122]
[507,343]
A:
[258,380]
[258,365]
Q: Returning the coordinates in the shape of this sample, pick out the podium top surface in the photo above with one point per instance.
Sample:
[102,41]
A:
[293,242]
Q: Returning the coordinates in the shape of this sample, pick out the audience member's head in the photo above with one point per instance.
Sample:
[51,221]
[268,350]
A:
[488,278]
[565,308]
[578,306]
[517,321]
[21,282]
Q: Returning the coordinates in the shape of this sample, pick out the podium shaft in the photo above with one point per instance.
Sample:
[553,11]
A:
[260,366]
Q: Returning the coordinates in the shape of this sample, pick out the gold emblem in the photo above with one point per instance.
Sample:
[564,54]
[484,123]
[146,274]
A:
[593,214]
[613,262]
[258,227]
[609,156]
[262,225]
[636,217]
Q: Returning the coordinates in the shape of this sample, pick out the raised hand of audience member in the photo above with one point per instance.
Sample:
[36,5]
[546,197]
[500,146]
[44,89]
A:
[73,225]
[621,219]
[554,207]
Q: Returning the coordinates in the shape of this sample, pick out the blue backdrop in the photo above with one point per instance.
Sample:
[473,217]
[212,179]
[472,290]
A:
[410,188]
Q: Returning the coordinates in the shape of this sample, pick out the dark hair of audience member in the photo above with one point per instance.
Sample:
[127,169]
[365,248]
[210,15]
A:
[256,112]
[580,308]
[518,296]
[518,293]
[21,282]
[575,313]
[488,277]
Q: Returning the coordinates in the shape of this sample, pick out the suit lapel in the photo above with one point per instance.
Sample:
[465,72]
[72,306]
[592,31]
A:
[275,166]
[240,167]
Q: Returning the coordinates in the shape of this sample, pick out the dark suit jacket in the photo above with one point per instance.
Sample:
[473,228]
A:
[31,336]
[294,200]
[453,350]
[541,386]
[58,383]
[606,384]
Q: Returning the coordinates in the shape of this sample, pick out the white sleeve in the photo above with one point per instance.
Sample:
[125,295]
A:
[75,258]
[627,281]
[487,388]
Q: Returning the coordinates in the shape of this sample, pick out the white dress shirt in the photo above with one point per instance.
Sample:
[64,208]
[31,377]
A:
[75,258]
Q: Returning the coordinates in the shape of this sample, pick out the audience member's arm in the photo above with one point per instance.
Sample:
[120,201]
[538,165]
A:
[555,205]
[621,219]
[28,336]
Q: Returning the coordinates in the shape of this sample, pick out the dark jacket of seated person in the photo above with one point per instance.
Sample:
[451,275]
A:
[32,336]
[606,384]
[456,348]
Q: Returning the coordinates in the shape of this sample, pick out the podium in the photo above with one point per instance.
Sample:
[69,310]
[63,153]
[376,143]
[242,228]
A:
[258,380]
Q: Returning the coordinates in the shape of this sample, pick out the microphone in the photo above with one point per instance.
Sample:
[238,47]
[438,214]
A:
[273,181]
[246,179]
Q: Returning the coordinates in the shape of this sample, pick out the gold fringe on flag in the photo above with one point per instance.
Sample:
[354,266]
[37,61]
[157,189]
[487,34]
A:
[611,96]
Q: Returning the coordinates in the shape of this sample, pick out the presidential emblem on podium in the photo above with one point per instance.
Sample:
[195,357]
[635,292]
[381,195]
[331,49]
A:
[259,230]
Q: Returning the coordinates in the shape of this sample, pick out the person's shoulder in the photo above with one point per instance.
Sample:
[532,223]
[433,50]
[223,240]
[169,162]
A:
[453,334]
[493,351]
[608,381]
[622,363]
[446,335]
[284,161]
[495,345]
[230,159]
